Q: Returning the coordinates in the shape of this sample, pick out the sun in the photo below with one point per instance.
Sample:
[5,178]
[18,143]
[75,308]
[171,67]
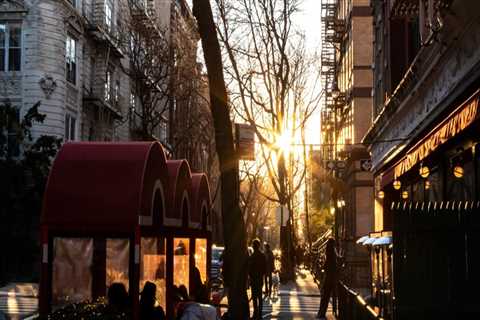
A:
[284,141]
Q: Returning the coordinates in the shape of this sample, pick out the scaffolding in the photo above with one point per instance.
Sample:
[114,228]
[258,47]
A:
[332,31]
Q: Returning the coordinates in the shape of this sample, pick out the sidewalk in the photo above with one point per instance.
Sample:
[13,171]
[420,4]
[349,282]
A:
[295,300]
[18,300]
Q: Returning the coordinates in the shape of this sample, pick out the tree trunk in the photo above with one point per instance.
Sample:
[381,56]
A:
[235,258]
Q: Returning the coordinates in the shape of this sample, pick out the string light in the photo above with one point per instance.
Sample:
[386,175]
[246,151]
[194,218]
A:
[424,172]
[397,184]
[428,184]
[458,171]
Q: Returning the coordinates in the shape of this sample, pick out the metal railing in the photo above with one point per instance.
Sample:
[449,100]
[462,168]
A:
[352,306]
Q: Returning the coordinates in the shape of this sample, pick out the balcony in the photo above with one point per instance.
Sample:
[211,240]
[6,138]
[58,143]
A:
[335,30]
[409,8]
[103,96]
[102,27]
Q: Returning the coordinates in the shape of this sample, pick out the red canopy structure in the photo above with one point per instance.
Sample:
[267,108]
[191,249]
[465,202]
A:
[105,201]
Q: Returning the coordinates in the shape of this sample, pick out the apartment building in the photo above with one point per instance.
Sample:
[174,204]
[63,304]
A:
[425,157]
[347,75]
[104,70]
[73,56]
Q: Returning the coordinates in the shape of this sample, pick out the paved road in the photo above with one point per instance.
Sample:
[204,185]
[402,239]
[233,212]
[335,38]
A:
[296,300]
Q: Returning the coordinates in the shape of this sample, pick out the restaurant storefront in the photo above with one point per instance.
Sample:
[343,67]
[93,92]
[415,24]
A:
[429,196]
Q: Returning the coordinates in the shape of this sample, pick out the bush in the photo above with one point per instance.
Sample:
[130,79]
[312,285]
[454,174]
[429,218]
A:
[88,310]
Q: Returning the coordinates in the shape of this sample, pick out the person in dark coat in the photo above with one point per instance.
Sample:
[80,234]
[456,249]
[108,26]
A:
[330,282]
[199,291]
[269,267]
[256,272]
[148,310]
[117,298]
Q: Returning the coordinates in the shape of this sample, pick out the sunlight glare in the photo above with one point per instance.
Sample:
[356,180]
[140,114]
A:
[284,141]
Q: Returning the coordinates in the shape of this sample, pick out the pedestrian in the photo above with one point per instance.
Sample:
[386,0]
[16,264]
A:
[148,310]
[117,298]
[256,272]
[269,267]
[330,279]
[198,291]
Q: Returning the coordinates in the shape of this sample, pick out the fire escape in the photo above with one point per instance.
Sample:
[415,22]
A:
[332,36]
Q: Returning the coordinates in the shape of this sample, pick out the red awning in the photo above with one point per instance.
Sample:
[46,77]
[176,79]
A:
[200,200]
[105,186]
[180,181]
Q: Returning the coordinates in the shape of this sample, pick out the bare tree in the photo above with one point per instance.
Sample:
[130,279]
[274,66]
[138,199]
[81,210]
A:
[255,191]
[273,87]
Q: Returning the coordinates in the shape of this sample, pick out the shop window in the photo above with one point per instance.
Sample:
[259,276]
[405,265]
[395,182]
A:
[72,265]
[118,254]
[152,266]
[181,263]
[434,186]
[418,191]
[201,257]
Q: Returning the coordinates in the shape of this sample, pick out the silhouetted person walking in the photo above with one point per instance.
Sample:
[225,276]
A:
[269,267]
[148,310]
[330,280]
[256,272]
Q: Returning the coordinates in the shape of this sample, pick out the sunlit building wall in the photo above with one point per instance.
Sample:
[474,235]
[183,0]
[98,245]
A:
[350,96]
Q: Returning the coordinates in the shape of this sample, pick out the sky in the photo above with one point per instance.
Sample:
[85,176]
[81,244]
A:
[309,20]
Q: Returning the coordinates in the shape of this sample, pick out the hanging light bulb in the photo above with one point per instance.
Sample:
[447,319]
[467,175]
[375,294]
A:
[405,194]
[458,171]
[397,184]
[428,185]
[424,172]
[381,194]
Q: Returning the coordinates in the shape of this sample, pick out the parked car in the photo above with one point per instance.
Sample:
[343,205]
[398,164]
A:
[217,263]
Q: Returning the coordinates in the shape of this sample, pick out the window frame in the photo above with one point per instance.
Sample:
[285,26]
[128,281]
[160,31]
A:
[107,94]
[109,14]
[70,131]
[71,59]
[5,65]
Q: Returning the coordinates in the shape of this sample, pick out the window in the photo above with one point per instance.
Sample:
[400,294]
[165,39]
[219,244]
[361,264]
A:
[70,127]
[163,131]
[201,257]
[109,14]
[12,129]
[108,86]
[117,91]
[71,276]
[10,46]
[181,261]
[71,59]
[153,266]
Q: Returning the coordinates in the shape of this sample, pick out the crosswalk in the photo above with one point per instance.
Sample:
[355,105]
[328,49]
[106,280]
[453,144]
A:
[292,305]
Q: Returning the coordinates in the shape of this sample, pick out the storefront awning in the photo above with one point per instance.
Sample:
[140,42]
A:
[103,185]
[382,241]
